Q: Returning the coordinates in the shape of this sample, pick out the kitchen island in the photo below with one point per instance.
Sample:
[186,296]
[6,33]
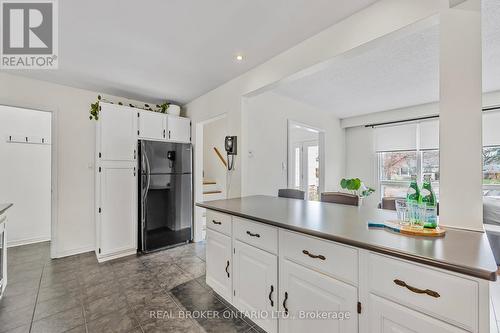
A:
[3,247]
[289,256]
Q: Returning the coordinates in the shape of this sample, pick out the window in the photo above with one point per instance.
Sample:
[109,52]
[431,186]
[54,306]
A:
[396,169]
[491,171]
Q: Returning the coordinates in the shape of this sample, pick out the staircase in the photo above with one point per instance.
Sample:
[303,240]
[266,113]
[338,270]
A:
[212,190]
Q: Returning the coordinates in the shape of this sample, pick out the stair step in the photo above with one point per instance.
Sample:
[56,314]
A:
[212,192]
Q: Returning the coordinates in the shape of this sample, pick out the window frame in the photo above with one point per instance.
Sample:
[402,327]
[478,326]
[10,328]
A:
[403,183]
[489,186]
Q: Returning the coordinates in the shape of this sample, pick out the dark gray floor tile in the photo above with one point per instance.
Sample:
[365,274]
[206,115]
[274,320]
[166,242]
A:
[229,325]
[172,277]
[157,305]
[202,280]
[58,290]
[55,305]
[79,329]
[200,302]
[15,289]
[59,322]
[194,266]
[104,305]
[119,321]
[15,318]
[171,325]
[96,291]
[18,301]
[21,329]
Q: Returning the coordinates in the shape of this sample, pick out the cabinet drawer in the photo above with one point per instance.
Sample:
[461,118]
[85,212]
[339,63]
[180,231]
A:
[219,222]
[447,297]
[337,260]
[256,234]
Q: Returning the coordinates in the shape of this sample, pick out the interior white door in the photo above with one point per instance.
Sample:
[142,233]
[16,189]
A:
[219,264]
[118,217]
[389,317]
[117,131]
[255,284]
[178,129]
[306,292]
[152,125]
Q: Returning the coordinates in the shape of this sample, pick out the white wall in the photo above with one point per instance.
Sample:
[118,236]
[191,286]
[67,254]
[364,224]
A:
[74,144]
[213,136]
[264,131]
[25,173]
[380,19]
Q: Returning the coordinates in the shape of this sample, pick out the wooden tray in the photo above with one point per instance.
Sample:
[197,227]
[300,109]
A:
[394,226]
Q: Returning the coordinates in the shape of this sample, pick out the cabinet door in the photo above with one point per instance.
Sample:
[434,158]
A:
[304,292]
[219,264]
[118,217]
[389,317]
[117,133]
[179,129]
[152,125]
[255,284]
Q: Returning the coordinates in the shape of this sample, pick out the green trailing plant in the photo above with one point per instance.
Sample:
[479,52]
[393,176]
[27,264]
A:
[356,186]
[94,109]
[163,107]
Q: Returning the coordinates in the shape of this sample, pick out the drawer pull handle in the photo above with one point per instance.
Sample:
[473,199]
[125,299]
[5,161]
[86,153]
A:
[252,235]
[429,292]
[227,266]
[216,222]
[284,303]
[314,256]
[271,294]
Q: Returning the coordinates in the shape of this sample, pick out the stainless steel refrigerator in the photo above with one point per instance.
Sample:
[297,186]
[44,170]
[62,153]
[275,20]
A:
[166,194]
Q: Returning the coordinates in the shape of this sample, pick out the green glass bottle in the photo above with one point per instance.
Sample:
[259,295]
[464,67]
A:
[413,193]
[428,197]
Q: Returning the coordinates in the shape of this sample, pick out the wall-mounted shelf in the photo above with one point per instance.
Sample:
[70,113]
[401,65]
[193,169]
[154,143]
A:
[27,139]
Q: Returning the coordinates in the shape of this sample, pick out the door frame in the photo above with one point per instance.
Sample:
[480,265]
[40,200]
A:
[53,170]
[198,174]
[321,152]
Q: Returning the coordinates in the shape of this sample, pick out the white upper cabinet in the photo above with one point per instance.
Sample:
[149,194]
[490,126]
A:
[117,133]
[152,125]
[178,129]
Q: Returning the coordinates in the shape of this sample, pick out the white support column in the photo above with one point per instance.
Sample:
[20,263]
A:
[460,117]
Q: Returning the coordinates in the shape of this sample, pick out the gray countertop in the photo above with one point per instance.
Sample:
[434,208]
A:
[4,207]
[466,252]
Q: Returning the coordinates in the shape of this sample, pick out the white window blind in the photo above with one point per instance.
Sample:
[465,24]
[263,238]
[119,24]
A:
[491,128]
[429,134]
[396,138]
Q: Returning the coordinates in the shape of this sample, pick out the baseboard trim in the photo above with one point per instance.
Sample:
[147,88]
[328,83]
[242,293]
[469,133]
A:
[72,252]
[121,254]
[27,241]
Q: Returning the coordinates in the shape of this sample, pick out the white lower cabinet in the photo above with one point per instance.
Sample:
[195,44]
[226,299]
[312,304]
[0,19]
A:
[304,292]
[314,285]
[255,282]
[117,211]
[219,267]
[390,317]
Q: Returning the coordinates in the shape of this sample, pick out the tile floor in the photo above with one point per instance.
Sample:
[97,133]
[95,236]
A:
[76,294]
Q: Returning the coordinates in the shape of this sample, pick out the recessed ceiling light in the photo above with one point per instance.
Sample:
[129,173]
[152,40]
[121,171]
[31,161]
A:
[239,57]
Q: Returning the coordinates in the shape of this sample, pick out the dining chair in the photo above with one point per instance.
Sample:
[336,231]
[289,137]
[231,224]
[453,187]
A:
[291,193]
[340,198]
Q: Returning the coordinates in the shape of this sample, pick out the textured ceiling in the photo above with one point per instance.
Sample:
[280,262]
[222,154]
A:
[179,49]
[397,73]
